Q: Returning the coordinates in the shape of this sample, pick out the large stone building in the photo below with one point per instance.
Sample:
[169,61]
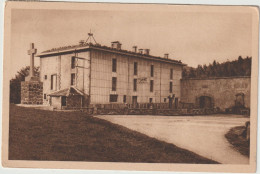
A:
[76,76]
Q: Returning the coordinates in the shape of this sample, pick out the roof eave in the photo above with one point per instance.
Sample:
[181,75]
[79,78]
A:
[62,51]
[113,51]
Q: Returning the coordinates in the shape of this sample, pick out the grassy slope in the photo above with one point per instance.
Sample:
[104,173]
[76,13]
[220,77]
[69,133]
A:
[239,142]
[73,136]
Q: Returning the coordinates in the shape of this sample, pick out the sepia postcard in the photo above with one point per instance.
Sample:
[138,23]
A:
[144,87]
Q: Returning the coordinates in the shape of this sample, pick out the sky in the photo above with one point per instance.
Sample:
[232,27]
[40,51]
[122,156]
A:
[192,37]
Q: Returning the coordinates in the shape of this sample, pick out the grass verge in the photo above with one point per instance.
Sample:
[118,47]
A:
[73,136]
[236,137]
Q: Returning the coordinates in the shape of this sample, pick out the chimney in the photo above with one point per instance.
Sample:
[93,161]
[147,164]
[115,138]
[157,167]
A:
[146,51]
[116,45]
[141,51]
[135,49]
[166,56]
[81,42]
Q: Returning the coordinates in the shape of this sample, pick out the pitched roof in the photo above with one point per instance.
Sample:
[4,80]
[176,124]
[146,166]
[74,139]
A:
[86,46]
[67,92]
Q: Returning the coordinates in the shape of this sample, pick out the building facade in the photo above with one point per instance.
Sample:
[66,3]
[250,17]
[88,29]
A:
[76,76]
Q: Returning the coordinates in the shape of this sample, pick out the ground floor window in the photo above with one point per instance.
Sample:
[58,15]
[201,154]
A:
[63,101]
[124,99]
[113,98]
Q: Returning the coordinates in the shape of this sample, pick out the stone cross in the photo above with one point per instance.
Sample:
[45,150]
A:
[32,52]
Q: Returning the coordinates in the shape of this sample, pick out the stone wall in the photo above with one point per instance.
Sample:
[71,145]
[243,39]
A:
[31,92]
[222,91]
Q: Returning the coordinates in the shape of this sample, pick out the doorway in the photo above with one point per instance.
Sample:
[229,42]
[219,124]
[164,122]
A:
[240,102]
[205,102]
[134,100]
[176,102]
[63,100]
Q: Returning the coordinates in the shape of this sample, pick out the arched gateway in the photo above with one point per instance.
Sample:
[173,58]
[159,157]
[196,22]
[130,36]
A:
[204,101]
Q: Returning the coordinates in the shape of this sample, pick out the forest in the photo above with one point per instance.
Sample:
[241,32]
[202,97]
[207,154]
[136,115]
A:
[238,67]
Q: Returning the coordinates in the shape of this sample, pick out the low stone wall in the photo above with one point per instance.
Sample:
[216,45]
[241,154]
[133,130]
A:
[222,91]
[137,106]
[169,112]
[31,92]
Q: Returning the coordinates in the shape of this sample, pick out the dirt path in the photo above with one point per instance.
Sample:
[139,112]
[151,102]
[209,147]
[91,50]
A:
[203,135]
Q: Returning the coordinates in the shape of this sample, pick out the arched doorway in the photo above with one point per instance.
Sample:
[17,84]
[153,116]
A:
[240,101]
[205,102]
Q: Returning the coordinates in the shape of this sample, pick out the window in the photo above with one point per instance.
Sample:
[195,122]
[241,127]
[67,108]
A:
[53,82]
[73,62]
[72,80]
[151,70]
[113,98]
[135,84]
[150,100]
[113,65]
[164,100]
[171,73]
[45,77]
[63,100]
[44,96]
[124,98]
[151,85]
[135,68]
[170,87]
[114,79]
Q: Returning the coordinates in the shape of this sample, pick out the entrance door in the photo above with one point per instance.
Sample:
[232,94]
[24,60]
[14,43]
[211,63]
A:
[134,100]
[176,102]
[205,102]
[63,101]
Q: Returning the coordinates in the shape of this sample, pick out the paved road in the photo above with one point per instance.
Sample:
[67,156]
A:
[203,135]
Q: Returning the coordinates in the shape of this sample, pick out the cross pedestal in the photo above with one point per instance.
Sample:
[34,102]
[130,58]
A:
[32,88]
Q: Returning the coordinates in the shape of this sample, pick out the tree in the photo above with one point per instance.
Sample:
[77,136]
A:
[192,73]
[184,73]
[15,83]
